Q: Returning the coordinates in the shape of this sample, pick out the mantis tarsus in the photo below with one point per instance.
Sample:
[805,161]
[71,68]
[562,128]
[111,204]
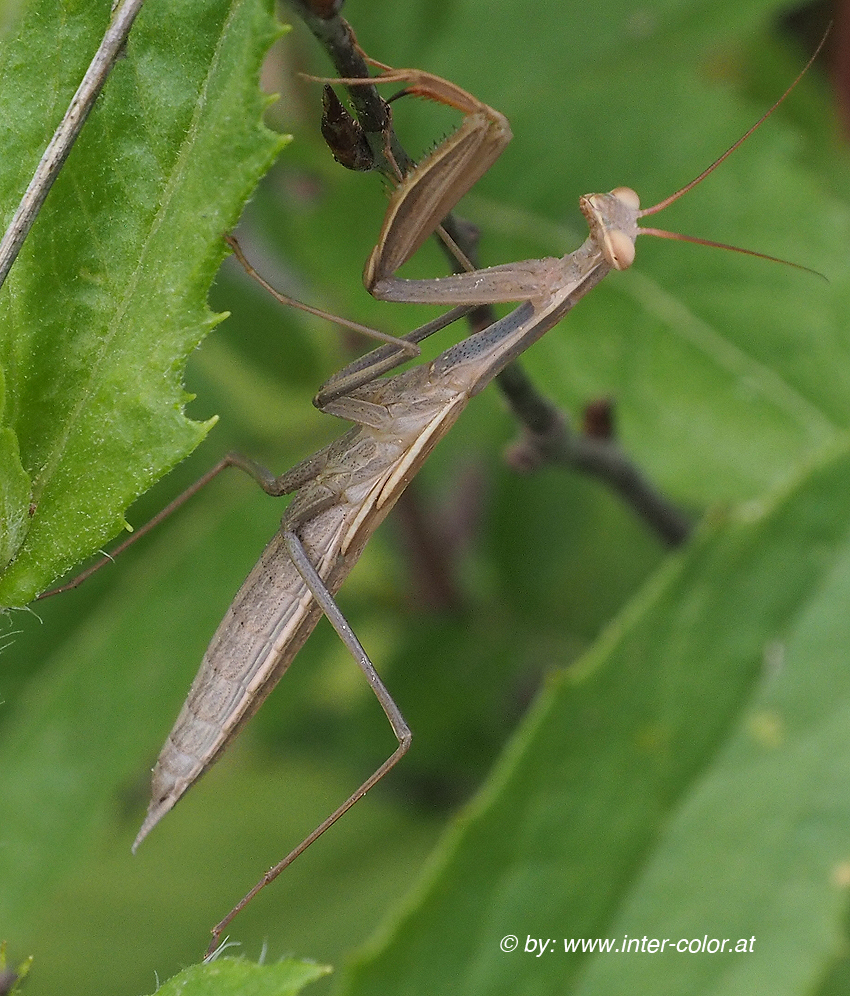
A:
[344,492]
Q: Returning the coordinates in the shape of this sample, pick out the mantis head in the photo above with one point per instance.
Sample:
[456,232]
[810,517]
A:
[613,222]
[613,217]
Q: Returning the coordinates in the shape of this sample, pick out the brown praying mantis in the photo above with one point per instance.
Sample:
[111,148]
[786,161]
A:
[343,492]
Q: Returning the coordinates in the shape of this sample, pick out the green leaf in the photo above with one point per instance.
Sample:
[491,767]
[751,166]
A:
[688,779]
[14,490]
[108,297]
[240,977]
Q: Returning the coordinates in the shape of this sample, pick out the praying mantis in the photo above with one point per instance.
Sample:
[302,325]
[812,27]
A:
[343,492]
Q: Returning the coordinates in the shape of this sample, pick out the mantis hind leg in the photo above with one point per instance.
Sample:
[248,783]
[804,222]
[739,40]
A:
[400,729]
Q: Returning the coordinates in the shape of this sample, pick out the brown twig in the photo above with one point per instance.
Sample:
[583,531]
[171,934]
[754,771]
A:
[67,132]
[547,436]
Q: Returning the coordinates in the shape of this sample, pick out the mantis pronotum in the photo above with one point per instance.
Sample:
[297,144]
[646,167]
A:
[346,490]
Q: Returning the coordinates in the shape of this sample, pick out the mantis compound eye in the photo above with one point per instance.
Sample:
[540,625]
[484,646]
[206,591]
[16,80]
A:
[628,197]
[618,248]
